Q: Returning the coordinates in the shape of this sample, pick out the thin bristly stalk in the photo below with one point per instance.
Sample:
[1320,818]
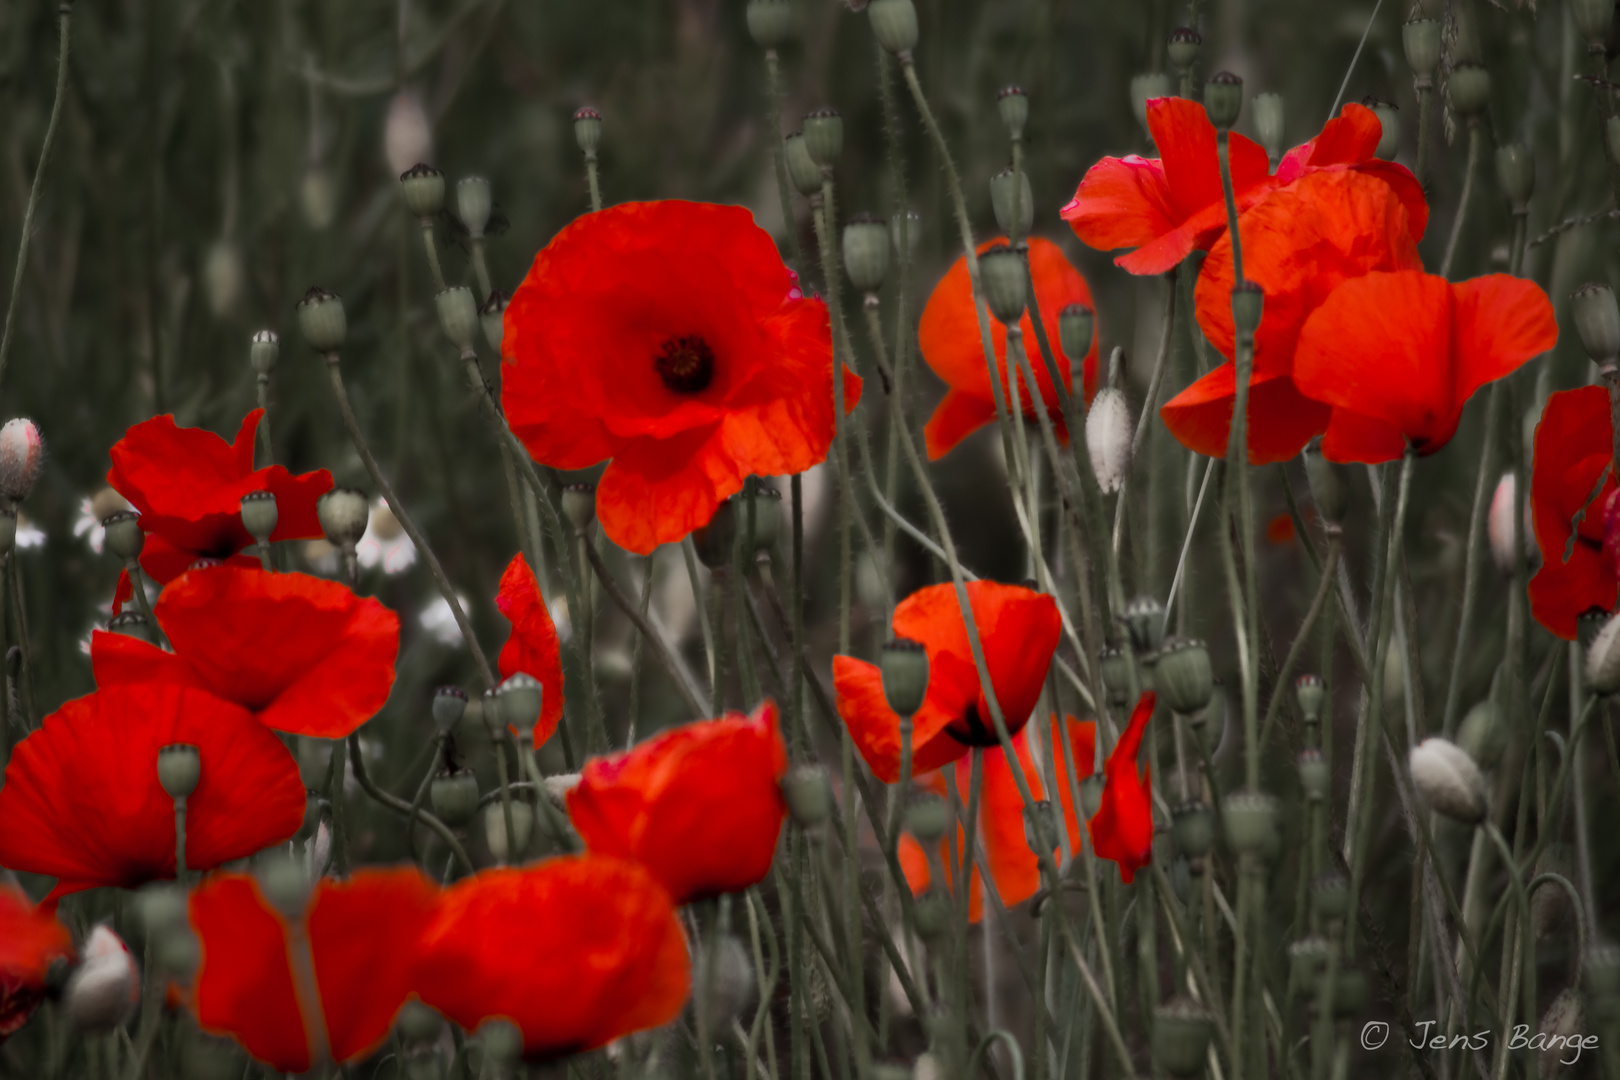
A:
[1475,143]
[706,625]
[773,109]
[1483,490]
[825,219]
[1149,411]
[1281,685]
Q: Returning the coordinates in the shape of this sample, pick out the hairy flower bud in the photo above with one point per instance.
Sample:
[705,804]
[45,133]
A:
[1108,439]
[1013,201]
[1267,111]
[22,458]
[904,667]
[103,993]
[1013,105]
[1006,285]
[1448,779]
[343,514]
[587,130]
[1181,1032]
[1182,676]
[824,136]
[771,23]
[1420,39]
[458,316]
[1042,825]
[894,24]
[454,798]
[866,252]
[1603,658]
[1499,526]
[1516,175]
[322,319]
[407,132]
[1223,99]
[1597,321]
[1183,48]
[802,168]
[423,188]
[264,352]
[1470,89]
[1144,88]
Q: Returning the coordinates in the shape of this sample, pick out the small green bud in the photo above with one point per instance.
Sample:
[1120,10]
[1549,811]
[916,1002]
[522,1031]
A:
[1483,734]
[904,665]
[771,23]
[933,915]
[264,352]
[179,768]
[458,316]
[1223,99]
[1314,778]
[1183,48]
[1593,19]
[1042,827]
[579,506]
[1250,821]
[1248,305]
[1183,676]
[1470,87]
[809,795]
[1181,1033]
[521,697]
[423,187]
[343,513]
[285,882]
[1329,490]
[124,537]
[1013,202]
[894,24]
[474,204]
[866,252]
[492,318]
[1006,286]
[802,168]
[259,514]
[1193,827]
[588,129]
[1389,121]
[1516,175]
[1421,40]
[1597,321]
[824,136]
[1330,894]
[449,703]
[1013,105]
[1144,88]
[501,1039]
[911,223]
[1077,326]
[1310,693]
[1267,110]
[927,818]
[454,798]
[322,320]
[1144,621]
[1115,668]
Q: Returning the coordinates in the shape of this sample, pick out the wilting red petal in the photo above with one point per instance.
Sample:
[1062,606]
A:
[1013,866]
[1122,827]
[700,805]
[29,938]
[305,655]
[575,951]
[82,800]
[1574,448]
[533,647]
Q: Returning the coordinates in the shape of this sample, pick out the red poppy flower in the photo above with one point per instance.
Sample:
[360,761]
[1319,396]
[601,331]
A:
[1168,208]
[1013,866]
[1122,827]
[1576,530]
[575,951]
[662,335]
[1019,630]
[949,339]
[30,939]
[1298,246]
[1399,354]
[82,800]
[700,805]
[304,655]
[533,647]
[362,936]
[188,485]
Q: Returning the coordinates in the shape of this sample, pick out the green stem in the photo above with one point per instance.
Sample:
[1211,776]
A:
[1425,92]
[1475,142]
[773,109]
[825,219]
[661,649]
[1483,490]
[1280,685]
[593,180]
[432,255]
[481,268]
[400,806]
[262,393]
[334,796]
[180,840]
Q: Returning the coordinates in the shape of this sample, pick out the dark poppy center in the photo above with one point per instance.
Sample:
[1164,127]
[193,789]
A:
[686,364]
[970,730]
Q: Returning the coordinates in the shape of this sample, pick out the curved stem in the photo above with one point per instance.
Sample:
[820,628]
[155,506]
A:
[1475,140]
[677,674]
[1014,1052]
[400,806]
[1280,685]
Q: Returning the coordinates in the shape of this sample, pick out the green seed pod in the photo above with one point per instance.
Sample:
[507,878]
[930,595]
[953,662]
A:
[179,768]
[1267,111]
[1223,99]
[1091,792]
[124,537]
[285,882]
[1013,105]
[933,915]
[264,352]
[454,798]
[1597,321]
[1248,305]
[501,1039]
[1042,827]
[904,666]
[927,818]
[521,699]
[1144,621]
[1077,326]
[588,130]
[1329,490]
[1193,827]
[579,506]
[894,24]
[458,316]
[474,203]
[1310,694]
[866,252]
[495,830]
[1470,88]
[761,512]
[912,223]
[1421,40]
[1314,779]
[1593,19]
[1183,48]
[259,514]
[802,168]
[824,136]
[1144,88]
[1250,821]
[1013,202]
[1330,894]
[1181,1033]
[322,320]
[1516,175]
[423,187]
[808,794]
[1006,286]
[343,514]
[492,318]
[449,703]
[1210,725]
[1389,121]
[1183,676]
[1115,668]
[771,23]
[418,1024]
[1308,959]
[130,623]
[1483,734]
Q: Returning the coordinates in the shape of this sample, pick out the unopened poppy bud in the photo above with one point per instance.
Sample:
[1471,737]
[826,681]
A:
[1013,105]
[264,352]
[1223,99]
[223,275]
[1091,793]
[458,316]
[1108,438]
[179,767]
[904,666]
[1076,325]
[502,1042]
[449,703]
[808,794]
[343,514]
[1250,821]
[1313,774]
[761,511]
[1328,488]
[521,698]
[1183,47]
[22,458]
[1309,694]
[1597,321]
[1603,658]
[1041,827]
[124,537]
[1593,19]
[894,24]
[162,906]
[1182,676]
[1146,87]
[1500,529]
[1483,734]
[1389,121]
[1330,894]
[322,319]
[927,818]
[587,130]
[473,204]
[1470,89]
[423,187]
[495,829]
[932,914]
[771,23]
[259,514]
[824,136]
[1115,668]
[131,624]
[1448,779]
[454,798]
[1006,286]
[1248,305]
[802,168]
[866,252]
[1267,111]
[1181,1033]
[492,317]
[1516,174]
[1193,827]
[418,1024]
[105,989]
[909,223]
[723,972]
[1013,201]
[1144,621]
[1421,40]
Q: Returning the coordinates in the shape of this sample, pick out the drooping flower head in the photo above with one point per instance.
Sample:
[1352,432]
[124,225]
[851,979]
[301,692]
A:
[1574,509]
[948,338]
[533,647]
[1019,629]
[574,951]
[30,939]
[304,655]
[699,805]
[661,335]
[82,801]
[1122,827]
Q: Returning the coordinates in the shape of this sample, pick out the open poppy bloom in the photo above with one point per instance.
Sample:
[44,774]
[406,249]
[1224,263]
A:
[1398,355]
[30,939]
[1013,866]
[188,485]
[948,337]
[1019,630]
[699,805]
[662,336]
[575,951]
[82,800]
[1578,531]
[1298,246]
[304,655]
[1122,827]
[1166,208]
[362,938]
[533,647]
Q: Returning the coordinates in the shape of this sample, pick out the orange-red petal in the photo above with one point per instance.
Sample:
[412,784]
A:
[1281,419]
[533,647]
[29,938]
[1122,827]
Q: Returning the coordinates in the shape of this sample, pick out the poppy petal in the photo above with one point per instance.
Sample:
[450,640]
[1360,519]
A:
[533,648]
[1573,450]
[1281,419]
[29,938]
[957,416]
[1122,827]
[1121,203]
[875,728]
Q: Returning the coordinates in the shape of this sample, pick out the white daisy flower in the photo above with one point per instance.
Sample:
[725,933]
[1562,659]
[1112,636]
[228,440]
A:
[440,622]
[29,535]
[385,543]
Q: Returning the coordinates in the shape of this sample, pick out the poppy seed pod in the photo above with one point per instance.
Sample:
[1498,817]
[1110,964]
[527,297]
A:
[723,973]
[1144,621]
[588,129]
[264,352]
[502,1042]
[343,514]
[495,829]
[928,817]
[1421,40]
[1593,19]
[1448,779]
[259,514]
[1267,110]
[1313,774]
[423,187]
[321,318]
[1193,827]
[911,223]
[1248,305]
[1013,201]
[1470,89]
[904,665]
[579,505]
[1223,99]
[521,698]
[824,136]
[1250,821]
[1182,676]
[1516,174]
[1329,491]
[1091,794]
[1013,105]
[474,203]
[802,168]
[418,1024]
[1330,894]
[1115,668]
[449,703]
[129,623]
[1183,48]
[933,911]
[1006,286]
[458,316]
[808,794]
[894,24]
[762,513]
[1146,87]
[1181,1033]
[1308,958]
[179,768]
[1108,438]
[866,252]
[454,798]
[1603,658]
[1483,734]
[1597,321]
[1076,327]
[1041,827]
[771,23]
[1309,694]
[105,989]
[492,317]
[1389,123]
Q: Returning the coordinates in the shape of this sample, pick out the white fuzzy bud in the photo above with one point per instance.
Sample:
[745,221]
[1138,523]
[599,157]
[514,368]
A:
[1108,438]
[1448,779]
[103,993]
[407,133]
[1499,526]
[557,789]
[1603,658]
[22,458]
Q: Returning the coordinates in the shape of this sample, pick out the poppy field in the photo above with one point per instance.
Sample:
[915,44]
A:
[809,540]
